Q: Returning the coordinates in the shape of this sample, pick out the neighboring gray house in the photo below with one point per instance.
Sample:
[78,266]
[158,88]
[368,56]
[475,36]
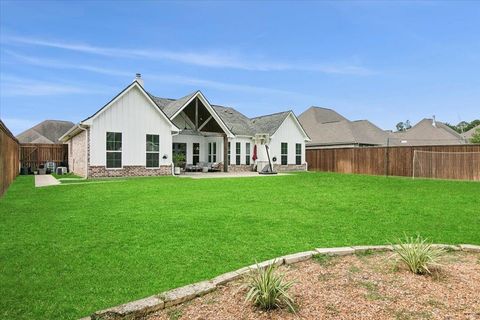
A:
[426,132]
[328,129]
[469,134]
[48,132]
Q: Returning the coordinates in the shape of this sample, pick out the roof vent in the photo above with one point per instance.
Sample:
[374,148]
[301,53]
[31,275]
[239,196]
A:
[138,78]
[434,123]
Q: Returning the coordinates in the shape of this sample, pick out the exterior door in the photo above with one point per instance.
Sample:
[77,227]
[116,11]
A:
[196,153]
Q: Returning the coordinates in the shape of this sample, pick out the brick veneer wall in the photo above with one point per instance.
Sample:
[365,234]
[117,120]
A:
[128,171]
[290,167]
[240,168]
[76,157]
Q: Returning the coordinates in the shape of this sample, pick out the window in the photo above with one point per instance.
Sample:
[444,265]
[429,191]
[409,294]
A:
[196,153]
[247,153]
[179,150]
[284,152]
[114,149]
[153,151]
[238,149]
[212,152]
[298,153]
[229,151]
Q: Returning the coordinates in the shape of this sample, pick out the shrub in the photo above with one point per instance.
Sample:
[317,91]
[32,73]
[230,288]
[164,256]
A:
[267,289]
[418,254]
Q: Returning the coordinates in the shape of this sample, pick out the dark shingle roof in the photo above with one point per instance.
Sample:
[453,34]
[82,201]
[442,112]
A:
[426,133]
[171,106]
[48,131]
[327,127]
[269,123]
[236,122]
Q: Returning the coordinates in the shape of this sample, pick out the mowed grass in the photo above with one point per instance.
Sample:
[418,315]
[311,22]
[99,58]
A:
[69,250]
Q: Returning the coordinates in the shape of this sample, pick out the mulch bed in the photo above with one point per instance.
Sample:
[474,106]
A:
[367,286]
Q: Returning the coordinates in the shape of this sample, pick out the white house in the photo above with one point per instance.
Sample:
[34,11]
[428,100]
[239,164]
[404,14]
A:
[138,134]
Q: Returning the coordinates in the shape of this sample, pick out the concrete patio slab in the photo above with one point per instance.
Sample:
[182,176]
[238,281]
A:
[45,180]
[210,175]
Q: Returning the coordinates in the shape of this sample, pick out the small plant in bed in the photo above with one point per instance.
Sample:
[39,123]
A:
[268,289]
[418,254]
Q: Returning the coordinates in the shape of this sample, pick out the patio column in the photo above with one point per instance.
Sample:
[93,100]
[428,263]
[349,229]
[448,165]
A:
[225,153]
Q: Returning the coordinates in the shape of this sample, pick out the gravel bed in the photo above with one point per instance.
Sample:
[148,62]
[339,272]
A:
[369,286]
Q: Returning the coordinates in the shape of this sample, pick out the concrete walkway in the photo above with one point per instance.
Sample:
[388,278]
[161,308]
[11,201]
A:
[45,180]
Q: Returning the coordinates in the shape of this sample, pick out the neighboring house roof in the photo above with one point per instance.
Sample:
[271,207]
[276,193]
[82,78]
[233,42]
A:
[348,132]
[426,132]
[315,115]
[469,134]
[46,132]
[327,127]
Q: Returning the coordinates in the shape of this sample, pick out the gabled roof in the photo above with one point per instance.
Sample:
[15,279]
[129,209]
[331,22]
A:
[134,84]
[315,115]
[238,123]
[47,132]
[348,132]
[172,106]
[427,132]
[328,127]
[229,119]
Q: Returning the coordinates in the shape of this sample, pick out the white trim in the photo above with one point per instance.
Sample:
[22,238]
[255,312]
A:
[157,152]
[210,109]
[135,84]
[117,151]
[307,138]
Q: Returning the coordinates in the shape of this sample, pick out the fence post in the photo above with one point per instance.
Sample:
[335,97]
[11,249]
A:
[386,157]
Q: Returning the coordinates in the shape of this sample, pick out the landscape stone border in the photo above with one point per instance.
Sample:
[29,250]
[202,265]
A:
[138,309]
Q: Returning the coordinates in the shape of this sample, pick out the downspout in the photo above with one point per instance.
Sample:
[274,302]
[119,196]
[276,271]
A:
[172,164]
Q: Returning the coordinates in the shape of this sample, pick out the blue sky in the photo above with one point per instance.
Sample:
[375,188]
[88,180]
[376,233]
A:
[382,61]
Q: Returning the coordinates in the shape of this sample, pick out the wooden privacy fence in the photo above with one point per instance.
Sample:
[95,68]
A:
[9,160]
[442,162]
[32,155]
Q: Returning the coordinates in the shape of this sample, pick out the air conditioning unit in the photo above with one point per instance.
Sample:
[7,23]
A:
[62,170]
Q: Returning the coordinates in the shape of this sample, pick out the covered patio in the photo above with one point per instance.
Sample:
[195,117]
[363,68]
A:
[203,140]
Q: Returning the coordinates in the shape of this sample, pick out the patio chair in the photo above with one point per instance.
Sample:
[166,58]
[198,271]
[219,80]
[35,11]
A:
[216,166]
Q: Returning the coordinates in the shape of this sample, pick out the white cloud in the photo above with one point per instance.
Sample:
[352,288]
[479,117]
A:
[15,86]
[164,78]
[206,59]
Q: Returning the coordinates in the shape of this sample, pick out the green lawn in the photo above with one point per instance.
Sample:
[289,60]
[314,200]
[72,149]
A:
[68,250]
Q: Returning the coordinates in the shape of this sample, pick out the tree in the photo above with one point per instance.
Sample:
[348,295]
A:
[464,126]
[476,136]
[403,126]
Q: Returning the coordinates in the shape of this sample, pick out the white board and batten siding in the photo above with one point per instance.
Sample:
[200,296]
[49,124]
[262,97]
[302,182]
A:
[134,116]
[233,149]
[291,133]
